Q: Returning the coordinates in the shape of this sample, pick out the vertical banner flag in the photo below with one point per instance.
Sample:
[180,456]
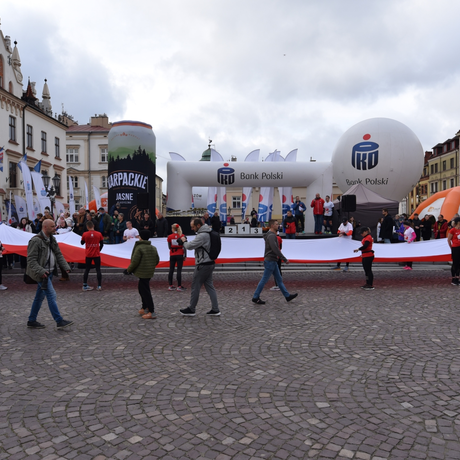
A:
[29,192]
[221,195]
[21,207]
[71,197]
[211,202]
[247,191]
[43,201]
[60,208]
[12,214]
[266,194]
[97,197]
[38,166]
[86,197]
[286,192]
[1,158]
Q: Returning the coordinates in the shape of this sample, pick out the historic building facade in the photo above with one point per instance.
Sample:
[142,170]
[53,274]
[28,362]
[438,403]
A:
[27,126]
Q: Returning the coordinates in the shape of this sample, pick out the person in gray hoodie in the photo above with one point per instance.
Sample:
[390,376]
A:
[204,267]
[271,255]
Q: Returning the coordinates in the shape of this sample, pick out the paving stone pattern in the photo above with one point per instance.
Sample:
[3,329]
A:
[338,373]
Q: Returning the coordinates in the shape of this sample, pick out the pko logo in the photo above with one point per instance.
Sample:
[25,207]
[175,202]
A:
[365,155]
[226,176]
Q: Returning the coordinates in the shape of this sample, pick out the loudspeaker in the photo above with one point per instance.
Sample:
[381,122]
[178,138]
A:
[349,203]
[143,200]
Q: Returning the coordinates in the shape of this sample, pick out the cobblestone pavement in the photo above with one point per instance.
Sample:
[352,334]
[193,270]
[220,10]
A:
[336,373]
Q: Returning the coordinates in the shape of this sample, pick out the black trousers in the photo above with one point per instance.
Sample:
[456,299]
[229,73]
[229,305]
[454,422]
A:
[455,269]
[367,265]
[97,265]
[173,261]
[146,296]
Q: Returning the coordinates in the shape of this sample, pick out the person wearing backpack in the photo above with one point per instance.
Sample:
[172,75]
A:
[205,254]
[271,255]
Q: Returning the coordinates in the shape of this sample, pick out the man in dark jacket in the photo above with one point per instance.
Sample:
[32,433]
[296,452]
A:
[215,222]
[271,255]
[416,222]
[43,256]
[386,228]
[104,224]
[144,259]
[162,227]
[289,225]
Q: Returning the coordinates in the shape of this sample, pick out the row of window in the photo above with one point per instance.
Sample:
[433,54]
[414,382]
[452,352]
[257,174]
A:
[73,155]
[13,177]
[434,185]
[75,182]
[30,138]
[434,166]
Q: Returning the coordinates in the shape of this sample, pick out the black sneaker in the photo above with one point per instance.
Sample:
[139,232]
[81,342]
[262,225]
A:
[62,324]
[368,288]
[455,282]
[187,312]
[213,313]
[365,286]
[290,297]
[258,301]
[35,325]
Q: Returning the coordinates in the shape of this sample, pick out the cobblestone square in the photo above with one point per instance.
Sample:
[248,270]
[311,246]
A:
[338,373]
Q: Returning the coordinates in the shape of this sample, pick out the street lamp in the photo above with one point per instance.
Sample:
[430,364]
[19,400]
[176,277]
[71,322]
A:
[51,191]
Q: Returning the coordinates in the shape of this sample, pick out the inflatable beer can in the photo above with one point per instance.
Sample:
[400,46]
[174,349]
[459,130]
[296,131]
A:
[131,170]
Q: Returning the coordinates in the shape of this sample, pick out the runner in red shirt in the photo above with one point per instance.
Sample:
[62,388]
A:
[453,240]
[176,257]
[94,243]
[367,255]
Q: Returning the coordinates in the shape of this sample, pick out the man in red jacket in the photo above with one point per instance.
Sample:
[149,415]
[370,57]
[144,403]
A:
[318,210]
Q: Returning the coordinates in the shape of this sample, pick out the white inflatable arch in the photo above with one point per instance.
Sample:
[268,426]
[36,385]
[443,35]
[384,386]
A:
[183,175]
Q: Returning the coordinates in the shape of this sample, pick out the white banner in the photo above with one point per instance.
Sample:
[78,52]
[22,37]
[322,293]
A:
[60,208]
[222,201]
[247,191]
[9,211]
[86,196]
[71,197]
[286,192]
[97,197]
[28,189]
[21,207]
[266,193]
[43,201]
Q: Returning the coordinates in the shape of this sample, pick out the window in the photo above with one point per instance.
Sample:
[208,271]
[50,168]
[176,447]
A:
[444,184]
[436,168]
[12,129]
[434,187]
[58,189]
[103,182]
[452,163]
[43,142]
[74,180]
[104,155]
[30,138]
[452,145]
[452,183]
[13,174]
[444,165]
[57,149]
[236,202]
[72,155]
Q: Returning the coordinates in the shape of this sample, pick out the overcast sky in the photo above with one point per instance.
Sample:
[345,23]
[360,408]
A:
[247,73]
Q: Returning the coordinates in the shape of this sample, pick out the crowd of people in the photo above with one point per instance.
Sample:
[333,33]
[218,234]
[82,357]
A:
[44,256]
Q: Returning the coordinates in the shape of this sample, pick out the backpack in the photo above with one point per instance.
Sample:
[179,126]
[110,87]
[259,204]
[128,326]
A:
[215,247]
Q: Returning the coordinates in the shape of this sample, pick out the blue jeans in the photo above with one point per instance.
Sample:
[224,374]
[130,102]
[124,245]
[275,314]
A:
[271,268]
[318,222]
[387,240]
[290,236]
[50,294]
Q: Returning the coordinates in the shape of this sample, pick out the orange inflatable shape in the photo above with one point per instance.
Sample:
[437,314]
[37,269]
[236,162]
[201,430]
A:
[446,203]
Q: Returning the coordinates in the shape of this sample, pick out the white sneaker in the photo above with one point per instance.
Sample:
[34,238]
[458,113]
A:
[3,288]
[274,288]
[172,288]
